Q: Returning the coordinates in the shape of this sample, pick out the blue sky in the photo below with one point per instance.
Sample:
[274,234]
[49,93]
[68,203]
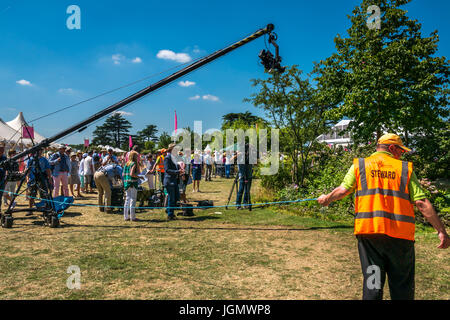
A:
[44,66]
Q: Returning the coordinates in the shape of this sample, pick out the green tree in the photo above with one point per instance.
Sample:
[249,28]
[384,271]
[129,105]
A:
[432,157]
[290,102]
[114,132]
[102,136]
[387,78]
[149,133]
[243,119]
[164,140]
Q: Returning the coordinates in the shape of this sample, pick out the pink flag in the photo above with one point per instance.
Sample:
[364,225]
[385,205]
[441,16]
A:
[28,132]
[130,142]
[86,143]
[176,121]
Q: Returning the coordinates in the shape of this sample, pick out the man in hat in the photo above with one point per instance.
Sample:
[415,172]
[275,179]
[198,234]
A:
[104,178]
[159,166]
[385,190]
[171,176]
[61,169]
[109,158]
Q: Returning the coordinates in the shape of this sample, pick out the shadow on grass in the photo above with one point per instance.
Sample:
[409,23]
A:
[71,214]
[140,225]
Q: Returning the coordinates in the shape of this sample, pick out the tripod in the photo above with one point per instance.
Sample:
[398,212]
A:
[49,213]
[246,180]
[232,189]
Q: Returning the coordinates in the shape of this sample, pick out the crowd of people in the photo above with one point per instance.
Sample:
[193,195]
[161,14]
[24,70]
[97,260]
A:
[68,172]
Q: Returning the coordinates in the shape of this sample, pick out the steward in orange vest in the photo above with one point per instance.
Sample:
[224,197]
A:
[385,190]
[159,166]
[382,203]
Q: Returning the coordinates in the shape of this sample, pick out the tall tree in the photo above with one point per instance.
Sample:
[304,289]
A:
[385,78]
[246,119]
[114,131]
[102,136]
[290,102]
[149,133]
[164,140]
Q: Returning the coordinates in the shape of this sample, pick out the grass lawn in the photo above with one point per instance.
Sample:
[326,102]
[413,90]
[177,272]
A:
[217,254]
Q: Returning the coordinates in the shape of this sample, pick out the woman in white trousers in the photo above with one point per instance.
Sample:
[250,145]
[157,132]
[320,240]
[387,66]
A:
[130,185]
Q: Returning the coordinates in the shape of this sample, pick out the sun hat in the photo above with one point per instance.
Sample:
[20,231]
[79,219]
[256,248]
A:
[391,138]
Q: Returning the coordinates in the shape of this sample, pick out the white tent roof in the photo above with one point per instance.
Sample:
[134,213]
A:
[8,134]
[18,123]
[118,150]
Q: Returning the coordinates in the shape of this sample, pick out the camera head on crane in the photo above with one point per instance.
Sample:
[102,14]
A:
[270,62]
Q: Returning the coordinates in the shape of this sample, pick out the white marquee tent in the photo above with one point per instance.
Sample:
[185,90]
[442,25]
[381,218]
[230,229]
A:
[17,125]
[11,134]
[8,134]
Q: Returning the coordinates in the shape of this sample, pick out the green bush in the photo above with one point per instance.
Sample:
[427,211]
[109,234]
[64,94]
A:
[327,171]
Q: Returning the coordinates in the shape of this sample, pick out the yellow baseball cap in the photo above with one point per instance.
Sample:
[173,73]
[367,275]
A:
[391,138]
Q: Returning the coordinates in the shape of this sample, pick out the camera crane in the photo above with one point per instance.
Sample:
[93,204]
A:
[50,211]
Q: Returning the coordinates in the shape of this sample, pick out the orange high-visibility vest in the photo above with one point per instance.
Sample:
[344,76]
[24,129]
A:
[160,160]
[382,203]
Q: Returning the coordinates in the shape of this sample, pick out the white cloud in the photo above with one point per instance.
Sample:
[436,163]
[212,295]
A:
[210,97]
[194,97]
[68,91]
[24,82]
[196,49]
[117,58]
[124,113]
[170,55]
[136,60]
[186,83]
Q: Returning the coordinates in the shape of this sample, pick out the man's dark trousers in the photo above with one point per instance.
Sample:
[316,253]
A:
[245,183]
[173,193]
[380,255]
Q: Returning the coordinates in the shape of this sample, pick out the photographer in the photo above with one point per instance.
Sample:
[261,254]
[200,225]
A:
[104,178]
[44,175]
[245,177]
[12,178]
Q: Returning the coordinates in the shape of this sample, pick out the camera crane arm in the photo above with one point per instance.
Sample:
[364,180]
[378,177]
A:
[83,124]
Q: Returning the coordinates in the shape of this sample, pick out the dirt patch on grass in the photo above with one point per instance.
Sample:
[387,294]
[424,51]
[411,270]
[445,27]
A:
[233,255]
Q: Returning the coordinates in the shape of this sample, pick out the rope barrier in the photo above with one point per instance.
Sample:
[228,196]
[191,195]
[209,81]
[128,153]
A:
[194,207]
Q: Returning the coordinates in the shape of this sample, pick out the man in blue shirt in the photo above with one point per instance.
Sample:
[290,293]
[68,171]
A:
[45,176]
[104,178]
[109,158]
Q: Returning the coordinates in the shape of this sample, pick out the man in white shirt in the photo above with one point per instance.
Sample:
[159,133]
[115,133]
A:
[208,163]
[228,163]
[109,158]
[88,167]
[217,163]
